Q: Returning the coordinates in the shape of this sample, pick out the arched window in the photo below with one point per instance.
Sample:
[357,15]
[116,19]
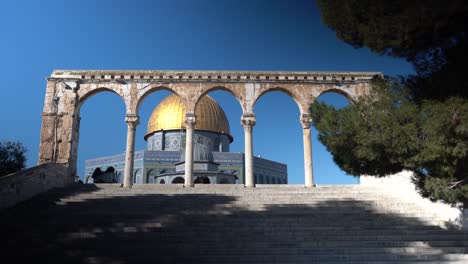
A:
[162,181]
[178,180]
[202,179]
[136,175]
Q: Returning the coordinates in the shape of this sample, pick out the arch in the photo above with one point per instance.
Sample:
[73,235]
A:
[80,127]
[149,175]
[280,123]
[96,172]
[303,108]
[202,180]
[348,94]
[162,181]
[178,180]
[152,88]
[135,175]
[88,93]
[338,100]
[230,90]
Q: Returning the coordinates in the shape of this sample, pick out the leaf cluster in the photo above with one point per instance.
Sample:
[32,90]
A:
[12,157]
[386,132]
[430,34]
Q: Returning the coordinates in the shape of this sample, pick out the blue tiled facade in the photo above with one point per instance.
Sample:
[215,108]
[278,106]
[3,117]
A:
[149,163]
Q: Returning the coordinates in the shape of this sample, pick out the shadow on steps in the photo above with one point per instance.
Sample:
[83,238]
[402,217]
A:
[86,224]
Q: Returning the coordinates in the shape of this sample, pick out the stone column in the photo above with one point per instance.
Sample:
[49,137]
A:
[306,120]
[190,121]
[132,122]
[248,121]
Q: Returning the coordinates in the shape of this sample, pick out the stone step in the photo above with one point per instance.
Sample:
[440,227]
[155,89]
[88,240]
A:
[105,223]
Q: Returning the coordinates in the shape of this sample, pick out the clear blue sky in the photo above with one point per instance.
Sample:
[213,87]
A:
[40,36]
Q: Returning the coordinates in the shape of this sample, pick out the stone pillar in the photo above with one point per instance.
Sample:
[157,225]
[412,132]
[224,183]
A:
[132,122]
[248,121]
[60,126]
[190,121]
[306,120]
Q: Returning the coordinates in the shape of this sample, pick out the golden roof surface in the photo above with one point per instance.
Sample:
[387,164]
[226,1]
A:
[170,115]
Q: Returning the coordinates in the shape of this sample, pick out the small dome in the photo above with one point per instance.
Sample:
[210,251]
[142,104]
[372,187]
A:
[170,115]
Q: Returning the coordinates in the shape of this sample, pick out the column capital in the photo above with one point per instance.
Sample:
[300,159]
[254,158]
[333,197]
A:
[248,120]
[306,121]
[190,120]
[132,119]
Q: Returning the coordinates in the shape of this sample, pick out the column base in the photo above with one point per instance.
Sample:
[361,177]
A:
[310,186]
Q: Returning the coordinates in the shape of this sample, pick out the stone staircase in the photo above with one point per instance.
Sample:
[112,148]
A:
[226,224]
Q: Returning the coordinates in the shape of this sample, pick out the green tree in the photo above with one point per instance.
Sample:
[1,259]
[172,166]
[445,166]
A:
[418,122]
[385,133]
[12,157]
[430,34]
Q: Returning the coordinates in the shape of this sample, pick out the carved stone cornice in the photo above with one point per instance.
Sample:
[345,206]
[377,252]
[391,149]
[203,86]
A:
[248,120]
[98,76]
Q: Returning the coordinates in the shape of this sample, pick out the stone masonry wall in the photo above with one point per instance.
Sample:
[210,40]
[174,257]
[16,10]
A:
[25,184]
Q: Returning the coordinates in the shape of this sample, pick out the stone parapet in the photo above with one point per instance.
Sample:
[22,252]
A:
[25,184]
[217,76]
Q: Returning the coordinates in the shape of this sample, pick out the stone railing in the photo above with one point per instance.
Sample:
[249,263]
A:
[25,184]
[401,186]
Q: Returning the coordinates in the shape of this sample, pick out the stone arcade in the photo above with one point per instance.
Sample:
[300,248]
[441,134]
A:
[162,162]
[67,90]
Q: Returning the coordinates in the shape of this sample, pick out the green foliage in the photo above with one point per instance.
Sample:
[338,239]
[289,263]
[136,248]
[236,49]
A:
[385,133]
[418,123]
[431,34]
[398,28]
[12,157]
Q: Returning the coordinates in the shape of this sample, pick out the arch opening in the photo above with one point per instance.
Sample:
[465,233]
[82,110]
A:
[153,89]
[153,128]
[178,180]
[150,176]
[224,148]
[136,176]
[91,93]
[99,132]
[201,180]
[217,90]
[283,91]
[277,121]
[335,96]
[325,169]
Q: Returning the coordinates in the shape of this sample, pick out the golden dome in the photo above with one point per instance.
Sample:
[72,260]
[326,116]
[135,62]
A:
[170,115]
